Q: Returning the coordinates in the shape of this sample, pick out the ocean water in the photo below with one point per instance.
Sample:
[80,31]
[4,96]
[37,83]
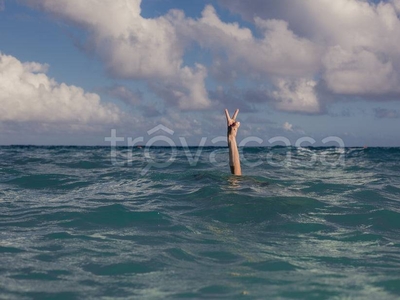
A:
[306,223]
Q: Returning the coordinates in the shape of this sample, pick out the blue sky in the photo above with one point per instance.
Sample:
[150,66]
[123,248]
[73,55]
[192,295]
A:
[71,71]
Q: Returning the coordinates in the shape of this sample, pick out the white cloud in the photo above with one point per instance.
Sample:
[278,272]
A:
[152,49]
[28,94]
[358,39]
[287,126]
[396,4]
[361,56]
[277,52]
[125,94]
[348,46]
[359,72]
[298,95]
[134,47]
[189,92]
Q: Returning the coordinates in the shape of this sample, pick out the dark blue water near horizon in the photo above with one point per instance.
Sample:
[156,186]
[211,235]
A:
[302,223]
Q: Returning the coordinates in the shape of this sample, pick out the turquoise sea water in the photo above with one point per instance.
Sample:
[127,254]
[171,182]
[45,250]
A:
[312,223]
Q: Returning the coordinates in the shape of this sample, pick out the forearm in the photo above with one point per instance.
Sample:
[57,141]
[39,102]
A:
[234,159]
[233,126]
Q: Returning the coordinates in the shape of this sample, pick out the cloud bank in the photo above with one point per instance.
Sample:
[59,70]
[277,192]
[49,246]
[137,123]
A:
[133,47]
[357,39]
[27,94]
[299,55]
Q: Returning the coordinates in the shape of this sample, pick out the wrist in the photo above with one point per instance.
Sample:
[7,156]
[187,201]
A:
[231,137]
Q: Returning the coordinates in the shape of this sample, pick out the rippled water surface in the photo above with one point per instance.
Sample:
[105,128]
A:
[302,223]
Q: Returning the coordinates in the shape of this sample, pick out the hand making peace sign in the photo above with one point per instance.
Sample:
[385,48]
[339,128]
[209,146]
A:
[233,126]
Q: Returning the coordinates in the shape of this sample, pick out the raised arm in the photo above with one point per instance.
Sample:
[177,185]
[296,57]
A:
[233,126]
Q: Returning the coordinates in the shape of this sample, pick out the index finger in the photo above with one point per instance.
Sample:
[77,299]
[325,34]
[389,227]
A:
[227,114]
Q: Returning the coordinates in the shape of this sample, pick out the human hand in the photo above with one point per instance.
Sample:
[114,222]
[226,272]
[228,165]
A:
[233,126]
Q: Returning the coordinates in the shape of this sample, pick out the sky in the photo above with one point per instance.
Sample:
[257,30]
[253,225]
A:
[301,72]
